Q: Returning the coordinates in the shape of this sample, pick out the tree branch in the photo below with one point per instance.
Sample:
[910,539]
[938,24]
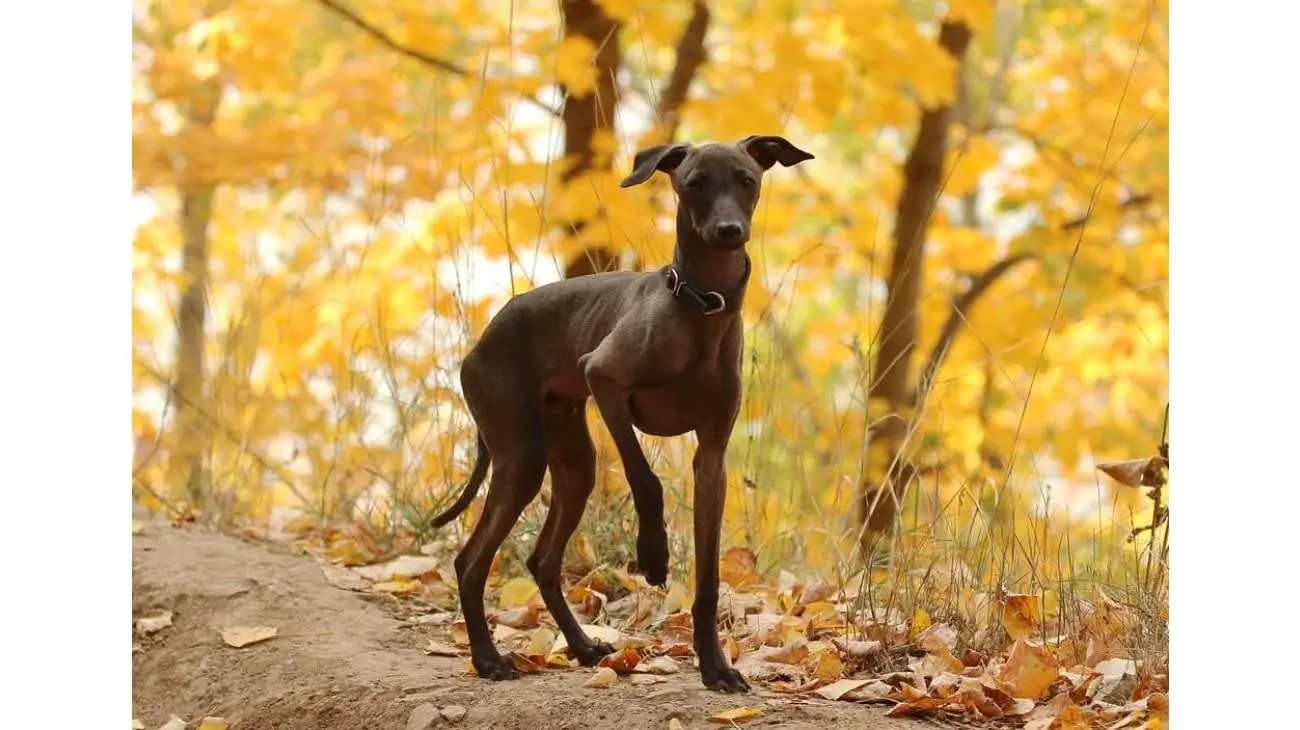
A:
[416,54]
[691,54]
[960,311]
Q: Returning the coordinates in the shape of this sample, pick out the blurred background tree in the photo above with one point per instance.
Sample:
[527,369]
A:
[334,195]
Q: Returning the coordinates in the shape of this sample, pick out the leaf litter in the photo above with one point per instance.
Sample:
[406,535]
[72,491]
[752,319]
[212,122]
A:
[806,638]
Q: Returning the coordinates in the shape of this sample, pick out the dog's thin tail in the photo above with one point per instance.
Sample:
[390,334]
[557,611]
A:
[470,491]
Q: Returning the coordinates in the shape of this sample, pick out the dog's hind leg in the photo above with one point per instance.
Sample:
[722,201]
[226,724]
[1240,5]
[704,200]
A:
[571,458]
[515,442]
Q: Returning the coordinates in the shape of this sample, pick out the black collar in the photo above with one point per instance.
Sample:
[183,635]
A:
[709,302]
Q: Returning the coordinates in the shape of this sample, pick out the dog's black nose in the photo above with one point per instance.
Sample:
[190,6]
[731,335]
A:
[730,231]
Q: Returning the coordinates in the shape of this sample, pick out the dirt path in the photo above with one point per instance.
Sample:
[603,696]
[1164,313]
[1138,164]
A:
[340,661]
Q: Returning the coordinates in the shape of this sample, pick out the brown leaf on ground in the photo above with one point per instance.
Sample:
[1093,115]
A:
[437,648]
[973,658]
[604,677]
[1059,714]
[936,663]
[857,649]
[459,634]
[938,637]
[1029,671]
[826,664]
[607,634]
[657,665]
[343,578]
[1135,472]
[1020,614]
[793,653]
[873,692]
[398,587]
[923,704]
[838,689]
[622,662]
[153,624]
[526,664]
[740,714]
[738,568]
[523,617]
[241,636]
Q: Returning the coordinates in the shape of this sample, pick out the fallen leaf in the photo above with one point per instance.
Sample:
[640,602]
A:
[241,636]
[137,527]
[432,619]
[1029,671]
[401,586]
[153,624]
[658,665]
[1019,706]
[936,663]
[738,569]
[403,567]
[922,704]
[604,677]
[523,617]
[622,662]
[740,714]
[1019,615]
[607,634]
[136,724]
[504,633]
[173,723]
[857,649]
[821,611]
[343,578]
[793,653]
[437,648]
[526,664]
[873,692]
[938,637]
[644,679]
[675,724]
[1115,668]
[459,634]
[731,648]
[214,723]
[973,658]
[540,641]
[838,689]
[559,661]
[516,593]
[826,664]
[346,553]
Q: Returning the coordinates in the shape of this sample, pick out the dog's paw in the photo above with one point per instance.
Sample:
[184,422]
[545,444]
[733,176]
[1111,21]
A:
[496,669]
[592,653]
[726,680]
[652,557]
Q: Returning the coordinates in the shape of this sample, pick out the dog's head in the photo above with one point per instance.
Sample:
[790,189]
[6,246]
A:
[717,185]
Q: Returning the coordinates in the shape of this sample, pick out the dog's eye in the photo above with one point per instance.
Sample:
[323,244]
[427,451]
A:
[696,183]
[747,183]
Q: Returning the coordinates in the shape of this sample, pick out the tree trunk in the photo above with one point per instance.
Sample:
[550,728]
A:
[888,404]
[185,470]
[586,116]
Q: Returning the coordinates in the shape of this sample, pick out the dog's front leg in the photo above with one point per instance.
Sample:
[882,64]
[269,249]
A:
[710,499]
[610,379]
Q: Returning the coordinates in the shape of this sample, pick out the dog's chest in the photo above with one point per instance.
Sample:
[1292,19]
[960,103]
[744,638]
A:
[681,406]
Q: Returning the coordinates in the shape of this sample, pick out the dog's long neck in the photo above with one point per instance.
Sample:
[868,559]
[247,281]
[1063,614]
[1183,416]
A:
[705,266]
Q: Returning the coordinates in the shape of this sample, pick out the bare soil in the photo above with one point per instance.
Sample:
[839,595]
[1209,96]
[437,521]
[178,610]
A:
[342,661]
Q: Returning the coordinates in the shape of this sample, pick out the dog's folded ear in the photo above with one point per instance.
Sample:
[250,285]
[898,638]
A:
[662,157]
[769,149]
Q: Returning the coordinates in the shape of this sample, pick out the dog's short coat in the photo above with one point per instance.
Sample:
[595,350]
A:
[658,351]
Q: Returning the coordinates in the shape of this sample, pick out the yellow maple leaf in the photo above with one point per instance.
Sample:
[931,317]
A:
[516,593]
